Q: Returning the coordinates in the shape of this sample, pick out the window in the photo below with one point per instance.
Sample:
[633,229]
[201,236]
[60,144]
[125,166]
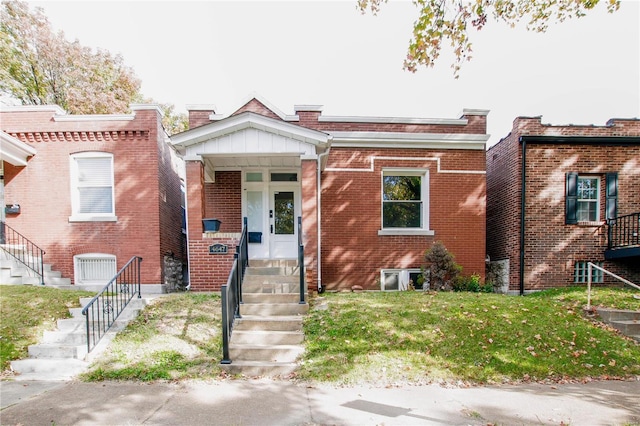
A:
[401,279]
[92,195]
[581,272]
[404,200]
[587,207]
[94,268]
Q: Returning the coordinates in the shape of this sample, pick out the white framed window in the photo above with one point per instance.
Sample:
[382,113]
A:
[405,202]
[401,279]
[94,268]
[92,187]
[588,205]
[581,272]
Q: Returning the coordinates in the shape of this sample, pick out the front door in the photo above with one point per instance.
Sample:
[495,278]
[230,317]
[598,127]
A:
[283,208]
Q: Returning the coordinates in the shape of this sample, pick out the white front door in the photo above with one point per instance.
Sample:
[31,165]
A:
[284,202]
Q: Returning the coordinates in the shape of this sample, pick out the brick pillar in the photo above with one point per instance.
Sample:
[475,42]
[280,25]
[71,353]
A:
[195,197]
[310,221]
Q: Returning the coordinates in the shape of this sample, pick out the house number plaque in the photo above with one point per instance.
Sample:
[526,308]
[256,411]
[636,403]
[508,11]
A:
[218,249]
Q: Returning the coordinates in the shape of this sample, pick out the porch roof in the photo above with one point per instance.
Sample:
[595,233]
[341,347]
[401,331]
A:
[14,151]
[249,135]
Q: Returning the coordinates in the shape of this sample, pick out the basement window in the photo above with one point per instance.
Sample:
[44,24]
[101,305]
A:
[94,268]
[401,279]
[581,272]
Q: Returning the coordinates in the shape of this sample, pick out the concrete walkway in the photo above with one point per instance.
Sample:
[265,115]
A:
[268,402]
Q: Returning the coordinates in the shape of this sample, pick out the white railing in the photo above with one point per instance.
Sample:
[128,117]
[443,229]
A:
[590,272]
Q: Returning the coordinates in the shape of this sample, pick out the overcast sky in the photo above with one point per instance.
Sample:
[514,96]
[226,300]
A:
[583,71]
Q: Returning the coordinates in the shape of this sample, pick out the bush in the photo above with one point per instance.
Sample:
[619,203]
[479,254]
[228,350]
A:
[472,283]
[440,270]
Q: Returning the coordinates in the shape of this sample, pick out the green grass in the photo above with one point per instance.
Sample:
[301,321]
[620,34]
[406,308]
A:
[474,337]
[177,337]
[26,312]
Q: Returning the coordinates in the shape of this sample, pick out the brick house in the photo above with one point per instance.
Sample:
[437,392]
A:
[561,196]
[94,190]
[373,193]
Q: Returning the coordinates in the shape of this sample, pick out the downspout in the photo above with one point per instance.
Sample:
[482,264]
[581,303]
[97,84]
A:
[523,191]
[319,229]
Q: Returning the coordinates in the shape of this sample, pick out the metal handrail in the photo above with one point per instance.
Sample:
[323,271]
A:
[105,307]
[22,249]
[623,231]
[231,293]
[301,261]
[590,267]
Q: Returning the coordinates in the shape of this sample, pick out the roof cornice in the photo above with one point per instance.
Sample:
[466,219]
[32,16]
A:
[581,140]
[410,140]
[14,151]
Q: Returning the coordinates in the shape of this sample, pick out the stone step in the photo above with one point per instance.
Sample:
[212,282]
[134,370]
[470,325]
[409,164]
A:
[260,368]
[272,263]
[57,281]
[617,314]
[627,327]
[48,369]
[265,353]
[54,350]
[77,337]
[270,297]
[280,323]
[270,288]
[52,274]
[274,309]
[262,337]
[282,271]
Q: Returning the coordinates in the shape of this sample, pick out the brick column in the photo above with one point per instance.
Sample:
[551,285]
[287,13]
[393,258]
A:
[310,221]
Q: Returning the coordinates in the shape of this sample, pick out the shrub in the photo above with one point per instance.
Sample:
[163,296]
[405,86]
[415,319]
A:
[441,269]
[472,283]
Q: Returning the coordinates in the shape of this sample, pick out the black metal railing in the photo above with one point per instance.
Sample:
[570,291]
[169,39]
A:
[105,307]
[301,261]
[231,292]
[22,249]
[624,231]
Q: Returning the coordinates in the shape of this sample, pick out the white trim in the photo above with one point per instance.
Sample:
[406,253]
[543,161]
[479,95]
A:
[14,151]
[308,108]
[474,111]
[406,231]
[33,108]
[94,117]
[374,158]
[89,218]
[106,263]
[393,120]
[201,107]
[249,120]
[410,140]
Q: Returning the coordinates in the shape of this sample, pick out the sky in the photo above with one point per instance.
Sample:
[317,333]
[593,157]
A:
[582,71]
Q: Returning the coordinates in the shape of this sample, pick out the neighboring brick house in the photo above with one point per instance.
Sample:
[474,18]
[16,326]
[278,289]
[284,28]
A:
[94,190]
[373,193]
[555,213]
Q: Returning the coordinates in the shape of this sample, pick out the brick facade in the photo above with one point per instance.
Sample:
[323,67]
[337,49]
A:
[147,187]
[551,247]
[352,250]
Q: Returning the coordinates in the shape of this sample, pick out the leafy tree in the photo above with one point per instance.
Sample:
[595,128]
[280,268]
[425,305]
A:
[39,67]
[449,20]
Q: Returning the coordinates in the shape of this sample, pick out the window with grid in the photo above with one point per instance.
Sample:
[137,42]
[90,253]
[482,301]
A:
[94,268]
[588,206]
[581,272]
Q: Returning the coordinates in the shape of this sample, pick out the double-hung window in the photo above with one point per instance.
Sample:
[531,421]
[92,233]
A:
[92,191]
[587,208]
[405,202]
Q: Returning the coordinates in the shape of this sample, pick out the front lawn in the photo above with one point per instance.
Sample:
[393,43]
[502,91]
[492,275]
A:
[476,337]
[26,312]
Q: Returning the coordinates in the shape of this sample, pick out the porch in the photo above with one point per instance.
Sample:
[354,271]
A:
[623,237]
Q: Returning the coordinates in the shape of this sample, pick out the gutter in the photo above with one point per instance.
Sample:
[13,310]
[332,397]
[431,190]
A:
[523,192]
[319,228]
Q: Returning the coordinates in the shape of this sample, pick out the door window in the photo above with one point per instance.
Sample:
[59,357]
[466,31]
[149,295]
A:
[284,213]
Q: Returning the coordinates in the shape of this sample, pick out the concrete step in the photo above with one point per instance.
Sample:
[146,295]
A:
[76,337]
[270,271]
[272,263]
[270,297]
[280,323]
[270,287]
[265,353]
[617,314]
[627,327]
[260,368]
[54,350]
[274,309]
[52,274]
[48,369]
[262,337]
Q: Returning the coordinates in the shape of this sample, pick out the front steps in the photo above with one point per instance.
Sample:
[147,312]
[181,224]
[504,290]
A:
[268,338]
[13,272]
[62,354]
[627,322]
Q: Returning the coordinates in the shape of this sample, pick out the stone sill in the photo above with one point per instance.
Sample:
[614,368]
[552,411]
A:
[221,235]
[590,224]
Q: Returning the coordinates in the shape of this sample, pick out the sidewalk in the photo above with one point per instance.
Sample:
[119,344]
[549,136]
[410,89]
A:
[267,402]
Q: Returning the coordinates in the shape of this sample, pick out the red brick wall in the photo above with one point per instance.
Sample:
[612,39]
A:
[352,251]
[223,200]
[42,188]
[209,272]
[551,247]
